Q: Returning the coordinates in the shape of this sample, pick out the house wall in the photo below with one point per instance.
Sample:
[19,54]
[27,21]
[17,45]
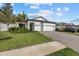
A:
[37,25]
[26,25]
[3,27]
[13,25]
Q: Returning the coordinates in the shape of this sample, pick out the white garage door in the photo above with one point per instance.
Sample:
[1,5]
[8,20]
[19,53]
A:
[37,28]
[48,28]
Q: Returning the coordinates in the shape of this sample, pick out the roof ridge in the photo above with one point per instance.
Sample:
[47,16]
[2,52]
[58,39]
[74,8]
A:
[41,17]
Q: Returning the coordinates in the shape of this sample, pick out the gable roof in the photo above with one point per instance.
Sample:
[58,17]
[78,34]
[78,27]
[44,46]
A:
[41,18]
[46,21]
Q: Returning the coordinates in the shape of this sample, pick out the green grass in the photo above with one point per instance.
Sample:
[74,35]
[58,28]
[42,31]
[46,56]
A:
[64,52]
[3,36]
[75,33]
[19,40]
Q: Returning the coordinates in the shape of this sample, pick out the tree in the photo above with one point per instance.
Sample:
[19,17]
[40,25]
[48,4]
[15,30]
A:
[22,17]
[6,14]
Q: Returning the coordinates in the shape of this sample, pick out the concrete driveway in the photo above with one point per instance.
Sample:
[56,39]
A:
[71,41]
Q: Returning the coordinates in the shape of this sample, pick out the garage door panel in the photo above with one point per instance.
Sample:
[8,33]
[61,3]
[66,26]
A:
[37,28]
[48,28]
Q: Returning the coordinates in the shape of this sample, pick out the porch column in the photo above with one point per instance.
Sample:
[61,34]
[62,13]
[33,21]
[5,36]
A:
[28,26]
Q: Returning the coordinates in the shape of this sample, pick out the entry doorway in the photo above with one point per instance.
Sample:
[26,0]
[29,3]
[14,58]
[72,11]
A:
[31,26]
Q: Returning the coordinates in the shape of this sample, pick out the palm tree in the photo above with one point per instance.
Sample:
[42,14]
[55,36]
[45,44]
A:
[6,14]
[22,17]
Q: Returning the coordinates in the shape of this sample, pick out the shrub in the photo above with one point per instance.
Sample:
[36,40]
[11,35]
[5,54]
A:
[12,29]
[66,29]
[60,29]
[22,30]
[18,29]
[70,29]
[57,29]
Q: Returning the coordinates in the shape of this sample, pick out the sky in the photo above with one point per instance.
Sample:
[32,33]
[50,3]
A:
[55,12]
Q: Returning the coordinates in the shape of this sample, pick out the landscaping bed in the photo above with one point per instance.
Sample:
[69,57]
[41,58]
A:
[64,52]
[19,40]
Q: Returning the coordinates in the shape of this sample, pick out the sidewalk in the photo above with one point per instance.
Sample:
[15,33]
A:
[35,50]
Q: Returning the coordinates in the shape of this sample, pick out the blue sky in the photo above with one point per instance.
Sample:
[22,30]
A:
[56,12]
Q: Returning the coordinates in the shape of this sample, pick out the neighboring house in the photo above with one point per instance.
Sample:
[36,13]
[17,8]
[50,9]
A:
[67,25]
[3,27]
[36,24]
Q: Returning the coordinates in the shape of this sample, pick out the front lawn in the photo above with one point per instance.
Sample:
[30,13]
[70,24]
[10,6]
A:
[75,33]
[19,40]
[64,52]
[3,36]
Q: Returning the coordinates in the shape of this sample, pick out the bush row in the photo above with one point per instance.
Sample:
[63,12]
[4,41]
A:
[18,29]
[67,30]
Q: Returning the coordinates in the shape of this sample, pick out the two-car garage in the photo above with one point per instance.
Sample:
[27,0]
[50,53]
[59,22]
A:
[44,27]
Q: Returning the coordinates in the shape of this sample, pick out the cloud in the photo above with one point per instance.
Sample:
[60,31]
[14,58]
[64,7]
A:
[59,13]
[26,4]
[52,8]
[66,9]
[12,4]
[37,5]
[44,13]
[50,4]
[14,12]
[32,14]
[34,7]
[50,18]
[0,4]
[58,9]
[75,20]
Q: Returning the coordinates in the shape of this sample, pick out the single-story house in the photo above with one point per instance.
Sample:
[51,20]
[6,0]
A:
[63,25]
[36,24]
